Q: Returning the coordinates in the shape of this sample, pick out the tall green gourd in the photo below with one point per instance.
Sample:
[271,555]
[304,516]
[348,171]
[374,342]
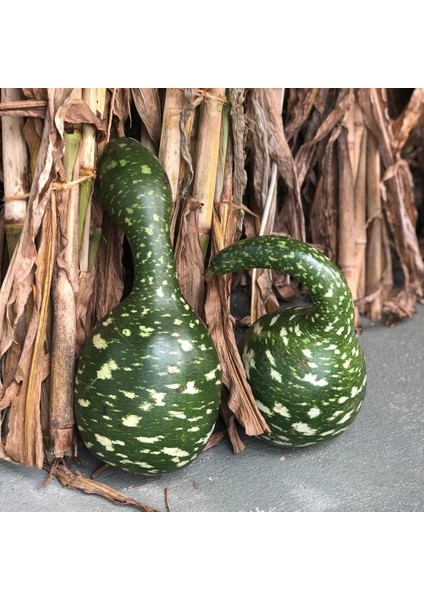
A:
[147,385]
[305,366]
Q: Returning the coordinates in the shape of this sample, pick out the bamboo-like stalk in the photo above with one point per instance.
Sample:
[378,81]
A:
[346,242]
[359,177]
[352,147]
[23,108]
[170,141]
[375,247]
[358,131]
[360,217]
[93,97]
[170,144]
[64,310]
[207,161]
[15,171]
[87,163]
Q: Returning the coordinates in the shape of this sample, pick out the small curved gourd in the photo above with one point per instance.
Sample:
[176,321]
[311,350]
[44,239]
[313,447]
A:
[147,387]
[305,366]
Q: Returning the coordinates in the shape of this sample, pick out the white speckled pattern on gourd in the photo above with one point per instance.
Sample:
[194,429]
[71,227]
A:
[305,366]
[147,387]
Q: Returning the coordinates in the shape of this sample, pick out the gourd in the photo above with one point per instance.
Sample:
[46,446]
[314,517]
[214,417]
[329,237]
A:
[304,364]
[147,386]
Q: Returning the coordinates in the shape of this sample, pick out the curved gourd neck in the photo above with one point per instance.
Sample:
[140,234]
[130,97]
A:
[136,193]
[153,259]
[332,301]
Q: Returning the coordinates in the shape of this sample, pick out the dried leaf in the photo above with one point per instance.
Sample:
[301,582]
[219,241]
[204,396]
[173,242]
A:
[74,110]
[281,154]
[324,211]
[215,439]
[299,110]
[147,103]
[261,164]
[265,284]
[278,147]
[399,307]
[284,286]
[231,423]
[85,307]
[188,116]
[304,156]
[241,400]
[411,117]
[17,284]
[121,108]
[78,481]
[35,93]
[238,128]
[33,131]
[189,259]
[109,284]
[24,442]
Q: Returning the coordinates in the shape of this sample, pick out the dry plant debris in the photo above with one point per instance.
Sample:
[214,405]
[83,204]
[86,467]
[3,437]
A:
[78,481]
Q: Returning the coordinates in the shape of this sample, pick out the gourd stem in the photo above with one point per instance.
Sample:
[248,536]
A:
[331,297]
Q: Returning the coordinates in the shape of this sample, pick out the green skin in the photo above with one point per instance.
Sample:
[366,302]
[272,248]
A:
[305,366]
[148,384]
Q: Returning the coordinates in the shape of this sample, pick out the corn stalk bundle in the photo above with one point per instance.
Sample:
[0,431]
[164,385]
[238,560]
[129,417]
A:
[328,166]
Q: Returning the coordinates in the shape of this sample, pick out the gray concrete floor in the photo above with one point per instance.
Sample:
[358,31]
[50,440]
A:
[376,465]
